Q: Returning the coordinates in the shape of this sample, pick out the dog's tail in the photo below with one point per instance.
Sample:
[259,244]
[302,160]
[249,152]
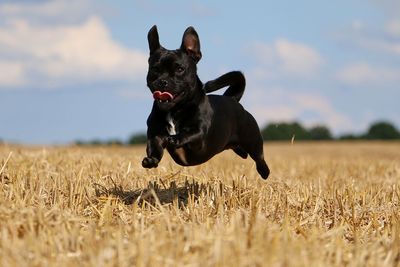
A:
[234,79]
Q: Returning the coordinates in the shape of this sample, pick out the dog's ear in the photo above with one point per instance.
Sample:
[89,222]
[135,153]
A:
[191,44]
[152,37]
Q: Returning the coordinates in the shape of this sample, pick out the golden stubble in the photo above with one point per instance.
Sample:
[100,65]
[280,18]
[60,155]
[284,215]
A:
[325,204]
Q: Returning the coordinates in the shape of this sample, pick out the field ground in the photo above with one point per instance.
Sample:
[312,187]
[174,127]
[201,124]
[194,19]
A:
[325,204]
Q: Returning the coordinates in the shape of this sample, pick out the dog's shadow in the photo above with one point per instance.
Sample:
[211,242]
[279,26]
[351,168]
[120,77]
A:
[154,193]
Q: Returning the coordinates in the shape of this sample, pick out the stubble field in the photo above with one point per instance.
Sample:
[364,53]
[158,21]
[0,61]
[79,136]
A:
[325,204]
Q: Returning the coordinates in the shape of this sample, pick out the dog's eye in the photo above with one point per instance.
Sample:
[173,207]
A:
[180,69]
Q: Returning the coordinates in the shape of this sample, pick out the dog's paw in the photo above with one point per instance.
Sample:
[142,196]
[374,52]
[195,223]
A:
[150,162]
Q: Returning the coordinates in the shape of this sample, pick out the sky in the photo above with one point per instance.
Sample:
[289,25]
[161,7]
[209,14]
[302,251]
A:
[76,69]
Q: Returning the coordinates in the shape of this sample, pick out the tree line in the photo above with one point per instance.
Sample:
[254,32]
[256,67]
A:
[381,130]
[281,131]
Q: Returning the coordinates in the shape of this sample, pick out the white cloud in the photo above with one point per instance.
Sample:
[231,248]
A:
[364,74]
[57,10]
[274,113]
[357,25]
[380,45]
[11,74]
[378,39]
[390,7]
[297,58]
[55,55]
[287,57]
[175,8]
[393,27]
[324,109]
[278,63]
[280,105]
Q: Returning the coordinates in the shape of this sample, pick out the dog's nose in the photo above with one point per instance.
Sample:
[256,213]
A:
[162,84]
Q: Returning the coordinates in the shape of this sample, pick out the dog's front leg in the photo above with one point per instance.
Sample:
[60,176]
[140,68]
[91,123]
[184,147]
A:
[155,151]
[184,138]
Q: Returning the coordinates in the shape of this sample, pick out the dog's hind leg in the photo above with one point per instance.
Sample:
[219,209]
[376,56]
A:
[262,167]
[256,153]
[234,79]
[241,152]
[250,140]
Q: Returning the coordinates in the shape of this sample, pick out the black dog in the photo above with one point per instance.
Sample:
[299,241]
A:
[194,126]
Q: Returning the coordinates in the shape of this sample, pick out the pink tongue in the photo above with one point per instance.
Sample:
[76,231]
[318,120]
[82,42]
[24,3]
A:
[162,96]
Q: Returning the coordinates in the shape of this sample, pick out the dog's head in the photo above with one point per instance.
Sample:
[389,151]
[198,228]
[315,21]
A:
[172,74]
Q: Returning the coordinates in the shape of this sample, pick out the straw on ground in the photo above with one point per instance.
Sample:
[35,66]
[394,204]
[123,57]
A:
[325,204]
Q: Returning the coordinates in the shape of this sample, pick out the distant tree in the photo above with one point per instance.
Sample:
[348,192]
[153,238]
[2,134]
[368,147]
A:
[79,143]
[382,130]
[349,137]
[95,142]
[113,142]
[284,131]
[138,138]
[98,142]
[320,132]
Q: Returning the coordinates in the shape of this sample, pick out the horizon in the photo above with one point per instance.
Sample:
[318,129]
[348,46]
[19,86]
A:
[347,136]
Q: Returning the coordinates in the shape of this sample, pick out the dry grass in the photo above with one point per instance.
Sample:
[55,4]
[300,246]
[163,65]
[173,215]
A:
[326,204]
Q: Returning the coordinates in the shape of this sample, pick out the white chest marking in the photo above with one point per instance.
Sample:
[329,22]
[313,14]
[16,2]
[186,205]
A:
[171,125]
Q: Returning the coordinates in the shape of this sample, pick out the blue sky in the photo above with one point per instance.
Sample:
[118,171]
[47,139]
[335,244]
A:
[75,69]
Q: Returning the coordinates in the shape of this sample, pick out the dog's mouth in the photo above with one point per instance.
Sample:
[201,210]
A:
[165,97]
